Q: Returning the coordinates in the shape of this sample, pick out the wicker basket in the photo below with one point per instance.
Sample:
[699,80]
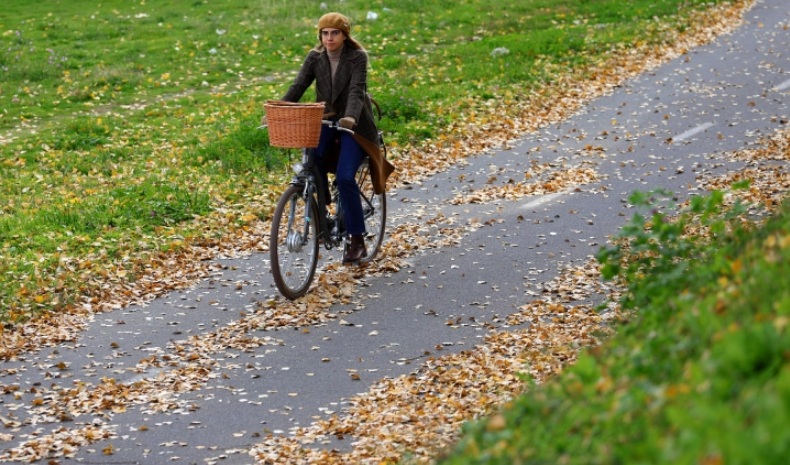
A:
[294,125]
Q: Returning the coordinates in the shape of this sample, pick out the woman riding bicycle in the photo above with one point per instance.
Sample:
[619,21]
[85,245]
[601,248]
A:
[339,65]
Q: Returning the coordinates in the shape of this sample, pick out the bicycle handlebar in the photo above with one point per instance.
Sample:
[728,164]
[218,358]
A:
[325,122]
[335,125]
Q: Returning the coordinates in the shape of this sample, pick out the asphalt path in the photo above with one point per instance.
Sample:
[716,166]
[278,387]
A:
[666,128]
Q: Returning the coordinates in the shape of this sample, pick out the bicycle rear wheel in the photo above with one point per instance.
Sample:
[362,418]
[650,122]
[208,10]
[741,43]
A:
[374,209]
[293,244]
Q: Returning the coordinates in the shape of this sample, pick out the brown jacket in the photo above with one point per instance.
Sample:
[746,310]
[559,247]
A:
[347,96]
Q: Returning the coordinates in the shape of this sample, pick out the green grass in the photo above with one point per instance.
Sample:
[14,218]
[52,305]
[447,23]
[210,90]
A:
[135,121]
[700,373]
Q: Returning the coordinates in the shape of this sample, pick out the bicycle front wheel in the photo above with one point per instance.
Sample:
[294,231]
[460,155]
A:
[293,244]
[374,209]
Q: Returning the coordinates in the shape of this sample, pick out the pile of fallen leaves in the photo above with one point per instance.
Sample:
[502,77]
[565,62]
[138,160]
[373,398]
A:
[766,172]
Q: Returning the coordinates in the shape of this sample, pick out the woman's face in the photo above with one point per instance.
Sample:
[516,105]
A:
[332,38]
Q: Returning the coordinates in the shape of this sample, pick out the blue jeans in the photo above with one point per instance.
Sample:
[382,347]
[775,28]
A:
[351,155]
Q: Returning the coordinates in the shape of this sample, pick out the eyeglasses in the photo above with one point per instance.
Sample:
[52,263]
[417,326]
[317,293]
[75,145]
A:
[330,32]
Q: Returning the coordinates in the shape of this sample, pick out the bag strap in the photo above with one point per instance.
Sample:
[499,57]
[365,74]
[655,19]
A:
[375,104]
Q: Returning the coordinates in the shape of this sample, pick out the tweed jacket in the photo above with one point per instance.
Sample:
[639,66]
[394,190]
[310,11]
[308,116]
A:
[346,96]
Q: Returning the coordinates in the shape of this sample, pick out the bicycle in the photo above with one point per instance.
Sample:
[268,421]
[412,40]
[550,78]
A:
[303,219]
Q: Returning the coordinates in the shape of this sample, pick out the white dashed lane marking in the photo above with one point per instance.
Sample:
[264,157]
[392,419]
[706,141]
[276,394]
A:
[782,87]
[691,132]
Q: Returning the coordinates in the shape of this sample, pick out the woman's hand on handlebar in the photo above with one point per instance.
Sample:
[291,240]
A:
[340,124]
[347,122]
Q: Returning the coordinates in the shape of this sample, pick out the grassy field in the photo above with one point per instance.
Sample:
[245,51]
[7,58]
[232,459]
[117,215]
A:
[129,128]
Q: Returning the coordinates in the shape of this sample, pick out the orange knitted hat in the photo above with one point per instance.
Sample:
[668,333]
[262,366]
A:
[335,21]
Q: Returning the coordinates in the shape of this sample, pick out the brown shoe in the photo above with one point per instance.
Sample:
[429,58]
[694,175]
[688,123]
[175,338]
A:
[355,250]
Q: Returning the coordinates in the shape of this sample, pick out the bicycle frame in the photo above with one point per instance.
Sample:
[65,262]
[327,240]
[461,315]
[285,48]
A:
[310,180]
